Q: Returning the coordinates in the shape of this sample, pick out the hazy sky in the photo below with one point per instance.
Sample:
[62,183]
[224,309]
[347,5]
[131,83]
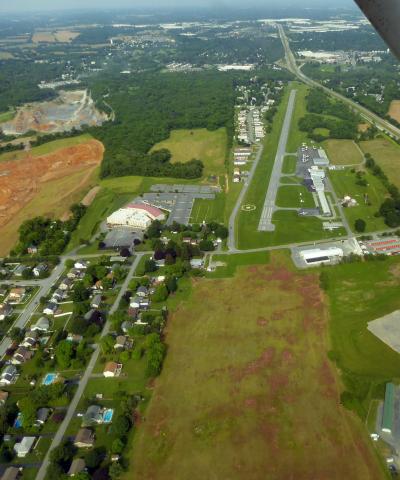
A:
[29,5]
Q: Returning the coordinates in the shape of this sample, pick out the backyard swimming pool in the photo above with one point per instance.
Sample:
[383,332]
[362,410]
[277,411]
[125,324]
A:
[18,421]
[107,415]
[49,378]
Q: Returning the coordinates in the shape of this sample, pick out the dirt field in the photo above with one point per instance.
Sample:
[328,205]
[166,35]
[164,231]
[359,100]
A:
[386,155]
[44,185]
[247,391]
[59,36]
[394,110]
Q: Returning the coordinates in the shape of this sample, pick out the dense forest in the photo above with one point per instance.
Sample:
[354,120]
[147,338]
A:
[148,107]
[19,82]
[323,112]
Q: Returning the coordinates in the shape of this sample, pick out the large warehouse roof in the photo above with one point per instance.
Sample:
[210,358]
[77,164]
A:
[319,252]
[388,408]
[153,211]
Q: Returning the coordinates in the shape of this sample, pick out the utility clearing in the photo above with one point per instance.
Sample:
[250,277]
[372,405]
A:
[44,185]
[247,390]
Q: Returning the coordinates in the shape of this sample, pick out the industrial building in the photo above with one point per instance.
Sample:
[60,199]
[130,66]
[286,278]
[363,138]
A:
[388,409]
[135,215]
[317,177]
[320,256]
[384,246]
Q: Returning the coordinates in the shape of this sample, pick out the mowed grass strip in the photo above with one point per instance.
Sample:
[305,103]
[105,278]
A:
[344,183]
[296,137]
[289,165]
[247,391]
[387,155]
[343,152]
[294,197]
[208,146]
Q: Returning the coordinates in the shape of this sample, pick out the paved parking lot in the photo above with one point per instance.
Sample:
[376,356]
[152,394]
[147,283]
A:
[178,199]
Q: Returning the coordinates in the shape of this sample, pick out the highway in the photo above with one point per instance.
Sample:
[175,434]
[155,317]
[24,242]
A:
[231,242]
[366,114]
[268,210]
[58,437]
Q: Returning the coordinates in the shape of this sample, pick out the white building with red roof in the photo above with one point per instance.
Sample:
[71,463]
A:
[135,215]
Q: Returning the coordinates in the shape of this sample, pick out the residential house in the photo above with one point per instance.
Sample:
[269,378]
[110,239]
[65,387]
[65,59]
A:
[50,309]
[23,447]
[78,465]
[40,269]
[112,369]
[12,473]
[19,271]
[135,302]
[3,291]
[21,356]
[16,295]
[84,438]
[122,342]
[41,416]
[5,310]
[92,416]
[98,286]
[160,263]
[96,301]
[32,249]
[42,325]
[133,312]
[74,337]
[58,295]
[81,264]
[8,375]
[197,263]
[94,316]
[74,273]
[66,283]
[141,303]
[30,340]
[3,397]
[126,325]
[142,292]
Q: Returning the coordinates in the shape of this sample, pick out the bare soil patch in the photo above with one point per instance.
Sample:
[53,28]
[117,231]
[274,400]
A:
[22,180]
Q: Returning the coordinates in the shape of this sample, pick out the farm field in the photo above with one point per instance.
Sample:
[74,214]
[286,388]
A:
[6,116]
[294,197]
[394,110]
[343,152]
[344,183]
[387,156]
[56,181]
[255,398]
[207,146]
[58,36]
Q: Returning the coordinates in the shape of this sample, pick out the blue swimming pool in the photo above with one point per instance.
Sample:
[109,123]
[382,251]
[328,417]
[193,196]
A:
[49,378]
[18,421]
[107,415]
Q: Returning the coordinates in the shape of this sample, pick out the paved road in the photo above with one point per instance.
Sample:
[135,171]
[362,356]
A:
[266,224]
[371,117]
[45,286]
[58,437]
[232,220]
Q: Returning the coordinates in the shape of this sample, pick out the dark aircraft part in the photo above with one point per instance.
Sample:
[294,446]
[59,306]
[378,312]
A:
[385,17]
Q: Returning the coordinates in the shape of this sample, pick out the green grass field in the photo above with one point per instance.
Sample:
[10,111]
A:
[294,197]
[209,210]
[343,152]
[247,387]
[289,165]
[344,183]
[208,146]
[387,155]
